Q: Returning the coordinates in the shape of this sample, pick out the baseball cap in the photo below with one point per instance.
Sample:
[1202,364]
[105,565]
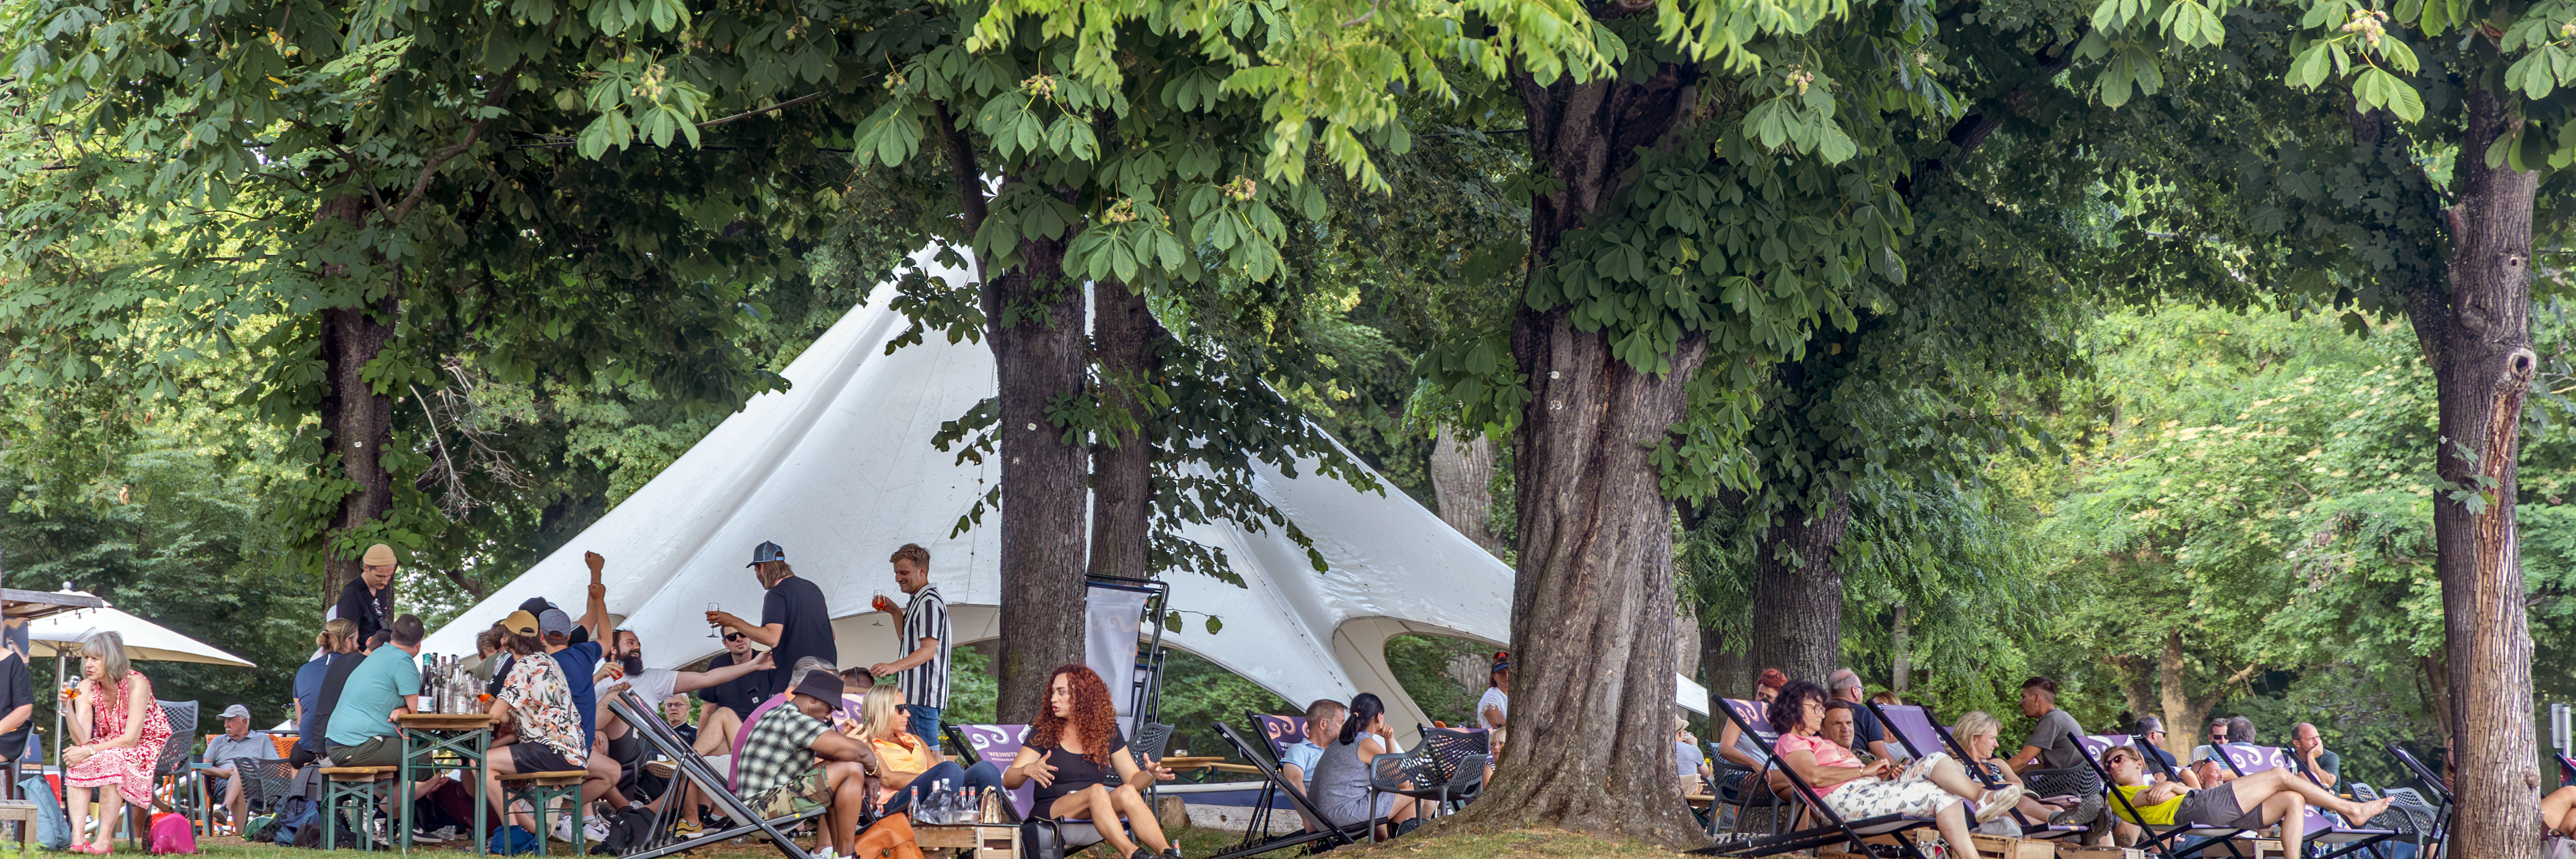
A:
[765,553]
[237,711]
[820,685]
[520,623]
[379,555]
[554,622]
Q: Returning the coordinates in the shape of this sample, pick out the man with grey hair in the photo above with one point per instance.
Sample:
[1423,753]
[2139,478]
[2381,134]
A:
[1867,736]
[2308,753]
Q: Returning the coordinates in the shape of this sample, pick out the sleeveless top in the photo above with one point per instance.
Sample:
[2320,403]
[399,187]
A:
[1341,781]
[1073,772]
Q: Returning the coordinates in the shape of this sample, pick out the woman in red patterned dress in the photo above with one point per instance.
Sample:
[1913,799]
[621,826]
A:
[120,731]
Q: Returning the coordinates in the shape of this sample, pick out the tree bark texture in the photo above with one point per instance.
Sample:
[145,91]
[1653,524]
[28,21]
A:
[357,422]
[1125,338]
[2187,714]
[1720,670]
[1593,597]
[2477,336]
[1462,476]
[1034,316]
[1896,643]
[1799,593]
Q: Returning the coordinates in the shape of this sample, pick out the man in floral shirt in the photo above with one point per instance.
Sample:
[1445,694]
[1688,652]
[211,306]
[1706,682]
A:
[534,711]
[778,773]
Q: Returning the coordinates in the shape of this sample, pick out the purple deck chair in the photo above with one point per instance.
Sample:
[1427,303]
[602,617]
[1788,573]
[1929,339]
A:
[1915,729]
[2323,829]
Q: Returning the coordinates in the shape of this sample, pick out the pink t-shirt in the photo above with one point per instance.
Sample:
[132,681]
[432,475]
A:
[1828,753]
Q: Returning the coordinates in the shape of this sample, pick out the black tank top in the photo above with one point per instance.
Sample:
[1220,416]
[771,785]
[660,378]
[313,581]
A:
[1074,772]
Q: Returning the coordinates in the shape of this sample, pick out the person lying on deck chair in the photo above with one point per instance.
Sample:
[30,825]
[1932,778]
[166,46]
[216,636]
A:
[1073,743]
[1979,734]
[1932,786]
[2276,795]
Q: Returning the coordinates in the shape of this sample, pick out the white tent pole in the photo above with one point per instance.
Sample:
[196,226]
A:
[58,707]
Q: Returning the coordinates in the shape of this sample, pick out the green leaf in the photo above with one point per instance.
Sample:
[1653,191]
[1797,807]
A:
[1214,625]
[2309,70]
[2403,100]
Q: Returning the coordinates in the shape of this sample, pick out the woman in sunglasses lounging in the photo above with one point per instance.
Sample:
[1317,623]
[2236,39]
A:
[1931,786]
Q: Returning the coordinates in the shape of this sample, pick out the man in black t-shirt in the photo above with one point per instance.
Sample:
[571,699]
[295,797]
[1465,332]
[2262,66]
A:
[17,704]
[368,600]
[794,621]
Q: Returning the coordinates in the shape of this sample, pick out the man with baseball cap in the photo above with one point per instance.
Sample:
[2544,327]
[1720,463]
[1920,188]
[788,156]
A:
[794,621]
[368,600]
[238,741]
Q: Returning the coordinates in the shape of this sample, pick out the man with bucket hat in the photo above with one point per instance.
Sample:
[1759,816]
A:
[368,600]
[794,620]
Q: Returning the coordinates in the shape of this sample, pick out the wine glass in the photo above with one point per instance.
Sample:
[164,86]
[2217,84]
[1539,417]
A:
[714,631]
[883,604]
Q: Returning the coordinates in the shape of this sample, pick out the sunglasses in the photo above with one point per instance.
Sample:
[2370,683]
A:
[735,636]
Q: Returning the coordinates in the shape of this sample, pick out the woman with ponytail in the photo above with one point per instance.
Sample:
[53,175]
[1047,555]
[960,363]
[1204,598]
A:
[1340,786]
[338,637]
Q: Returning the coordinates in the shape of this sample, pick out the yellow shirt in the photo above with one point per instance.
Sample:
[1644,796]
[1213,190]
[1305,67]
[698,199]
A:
[2161,814]
[895,756]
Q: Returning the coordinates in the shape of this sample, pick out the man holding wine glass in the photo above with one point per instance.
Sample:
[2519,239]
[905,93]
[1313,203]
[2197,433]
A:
[922,673]
[794,622]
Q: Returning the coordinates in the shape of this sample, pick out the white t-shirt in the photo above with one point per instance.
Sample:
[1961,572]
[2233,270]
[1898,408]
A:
[652,684]
[1494,698]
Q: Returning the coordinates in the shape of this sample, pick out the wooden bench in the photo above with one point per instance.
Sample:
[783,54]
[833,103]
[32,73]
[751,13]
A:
[24,812]
[541,789]
[350,783]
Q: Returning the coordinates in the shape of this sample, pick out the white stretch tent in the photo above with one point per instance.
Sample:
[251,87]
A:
[840,470]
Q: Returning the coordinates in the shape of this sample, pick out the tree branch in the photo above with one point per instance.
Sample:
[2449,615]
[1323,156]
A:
[492,97]
[775,107]
[967,177]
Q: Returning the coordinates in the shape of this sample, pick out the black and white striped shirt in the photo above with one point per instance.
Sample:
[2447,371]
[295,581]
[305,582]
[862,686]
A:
[926,617]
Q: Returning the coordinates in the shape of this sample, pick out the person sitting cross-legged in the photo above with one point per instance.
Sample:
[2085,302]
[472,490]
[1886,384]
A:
[792,761]
[1931,786]
[1073,744]
[908,766]
[2276,795]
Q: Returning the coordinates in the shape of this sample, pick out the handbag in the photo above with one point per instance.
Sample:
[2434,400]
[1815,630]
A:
[888,838]
[1039,839]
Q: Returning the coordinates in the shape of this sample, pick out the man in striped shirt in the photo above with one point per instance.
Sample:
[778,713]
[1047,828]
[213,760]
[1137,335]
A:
[923,673]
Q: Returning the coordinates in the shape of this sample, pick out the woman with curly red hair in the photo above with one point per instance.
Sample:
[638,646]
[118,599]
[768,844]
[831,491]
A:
[1071,749]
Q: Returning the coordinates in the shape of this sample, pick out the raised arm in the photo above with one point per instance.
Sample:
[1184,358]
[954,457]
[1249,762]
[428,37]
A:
[595,615]
[691,681]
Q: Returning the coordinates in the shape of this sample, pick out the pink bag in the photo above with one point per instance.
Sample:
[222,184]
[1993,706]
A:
[173,833]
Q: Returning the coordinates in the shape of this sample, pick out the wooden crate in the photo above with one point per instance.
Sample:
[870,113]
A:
[1991,847]
[2071,851]
[977,841]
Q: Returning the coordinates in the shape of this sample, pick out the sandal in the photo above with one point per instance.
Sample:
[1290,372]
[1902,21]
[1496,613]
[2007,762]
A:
[1999,801]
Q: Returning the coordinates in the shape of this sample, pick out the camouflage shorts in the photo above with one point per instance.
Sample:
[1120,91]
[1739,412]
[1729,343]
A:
[809,791]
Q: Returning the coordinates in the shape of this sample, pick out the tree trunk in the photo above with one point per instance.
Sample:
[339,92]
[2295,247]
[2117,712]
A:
[1896,644]
[358,421]
[1034,316]
[1125,337]
[2137,689]
[1685,633]
[2436,673]
[2184,712]
[1721,671]
[1800,592]
[1594,586]
[1462,476]
[2477,338]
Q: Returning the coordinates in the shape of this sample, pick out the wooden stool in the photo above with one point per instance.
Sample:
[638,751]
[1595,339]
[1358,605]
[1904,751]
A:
[541,789]
[350,783]
[24,812]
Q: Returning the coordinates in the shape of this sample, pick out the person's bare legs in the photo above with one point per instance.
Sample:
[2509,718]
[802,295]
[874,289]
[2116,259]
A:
[1947,773]
[233,803]
[497,763]
[2554,810]
[1093,803]
[76,806]
[2253,790]
[602,780]
[1140,817]
[110,804]
[2292,814]
[1952,820]
[849,785]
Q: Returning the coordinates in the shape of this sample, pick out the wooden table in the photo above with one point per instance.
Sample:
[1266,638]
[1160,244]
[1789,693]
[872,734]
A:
[437,741]
[1191,764]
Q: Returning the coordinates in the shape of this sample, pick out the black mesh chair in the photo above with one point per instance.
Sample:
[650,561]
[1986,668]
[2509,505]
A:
[169,768]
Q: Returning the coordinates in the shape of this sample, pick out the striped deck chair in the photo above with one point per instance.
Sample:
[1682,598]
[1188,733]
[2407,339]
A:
[718,788]
[2170,841]
[1257,840]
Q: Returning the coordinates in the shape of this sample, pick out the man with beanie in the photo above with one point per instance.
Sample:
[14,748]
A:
[368,600]
[794,621]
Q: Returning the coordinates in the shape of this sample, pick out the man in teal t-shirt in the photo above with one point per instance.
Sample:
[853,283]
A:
[362,731]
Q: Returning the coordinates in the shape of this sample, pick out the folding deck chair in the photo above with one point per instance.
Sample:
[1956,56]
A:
[1000,744]
[1257,839]
[2323,829]
[1835,829]
[1918,732]
[2166,840]
[688,767]
[1745,797]
[2444,804]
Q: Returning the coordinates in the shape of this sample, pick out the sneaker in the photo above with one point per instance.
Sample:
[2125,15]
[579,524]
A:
[685,829]
[594,829]
[1999,801]
[1142,853]
[422,836]
[825,853]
